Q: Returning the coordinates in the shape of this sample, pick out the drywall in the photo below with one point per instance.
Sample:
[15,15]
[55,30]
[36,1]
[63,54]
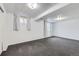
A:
[10,37]
[1,28]
[68,28]
[3,19]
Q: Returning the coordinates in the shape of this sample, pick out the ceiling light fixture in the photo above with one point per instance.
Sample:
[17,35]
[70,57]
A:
[60,17]
[32,5]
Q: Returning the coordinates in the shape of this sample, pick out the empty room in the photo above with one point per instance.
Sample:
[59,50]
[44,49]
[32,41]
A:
[39,29]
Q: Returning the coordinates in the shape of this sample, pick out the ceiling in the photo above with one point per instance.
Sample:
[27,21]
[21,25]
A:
[22,9]
[70,11]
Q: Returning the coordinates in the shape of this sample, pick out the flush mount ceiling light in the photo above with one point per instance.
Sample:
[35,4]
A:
[60,17]
[32,5]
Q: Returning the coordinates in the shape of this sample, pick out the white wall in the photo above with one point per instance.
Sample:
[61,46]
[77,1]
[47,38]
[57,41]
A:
[13,37]
[68,28]
[1,28]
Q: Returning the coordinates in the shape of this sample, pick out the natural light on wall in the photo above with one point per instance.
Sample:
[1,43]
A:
[32,5]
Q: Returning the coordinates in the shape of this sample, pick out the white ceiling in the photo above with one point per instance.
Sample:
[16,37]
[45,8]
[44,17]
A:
[23,10]
[69,11]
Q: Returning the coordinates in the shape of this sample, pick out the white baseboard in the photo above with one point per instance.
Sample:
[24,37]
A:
[67,37]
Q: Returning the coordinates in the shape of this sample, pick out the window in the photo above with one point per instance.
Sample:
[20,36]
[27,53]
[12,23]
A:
[48,29]
[24,24]
[21,23]
[23,20]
